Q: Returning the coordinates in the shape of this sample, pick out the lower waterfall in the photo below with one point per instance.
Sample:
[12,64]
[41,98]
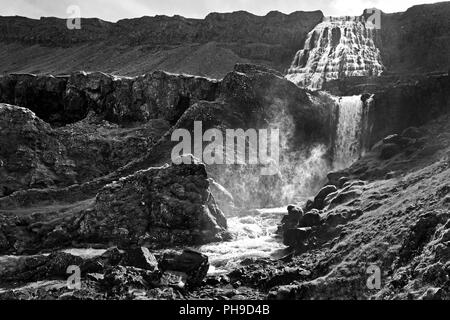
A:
[348,141]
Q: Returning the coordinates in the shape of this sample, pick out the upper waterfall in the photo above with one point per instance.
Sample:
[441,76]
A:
[337,47]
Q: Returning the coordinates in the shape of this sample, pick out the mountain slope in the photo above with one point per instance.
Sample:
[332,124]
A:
[208,47]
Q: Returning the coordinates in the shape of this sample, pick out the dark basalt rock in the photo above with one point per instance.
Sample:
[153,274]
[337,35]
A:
[192,263]
[145,209]
[119,280]
[310,219]
[36,268]
[390,150]
[296,236]
[30,153]
[68,99]
[140,257]
[323,193]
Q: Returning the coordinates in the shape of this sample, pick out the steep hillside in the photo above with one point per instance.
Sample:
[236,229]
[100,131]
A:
[208,47]
[417,40]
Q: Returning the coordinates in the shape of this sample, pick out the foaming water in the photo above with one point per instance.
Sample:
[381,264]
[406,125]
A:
[86,253]
[253,237]
[337,47]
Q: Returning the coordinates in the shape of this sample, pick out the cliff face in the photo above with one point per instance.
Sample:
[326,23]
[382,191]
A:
[208,47]
[62,100]
[417,40]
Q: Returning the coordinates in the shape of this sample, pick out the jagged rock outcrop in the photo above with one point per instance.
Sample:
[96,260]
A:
[35,155]
[31,156]
[62,100]
[157,207]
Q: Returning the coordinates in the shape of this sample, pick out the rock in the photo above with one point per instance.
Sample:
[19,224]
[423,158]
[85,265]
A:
[343,197]
[156,95]
[330,197]
[111,257]
[32,156]
[192,263]
[294,210]
[287,292]
[334,177]
[291,219]
[323,193]
[309,205]
[310,219]
[351,184]
[391,174]
[413,133]
[224,198]
[140,257]
[296,236]
[287,276]
[120,280]
[253,68]
[393,139]
[335,219]
[36,268]
[342,181]
[389,150]
[433,294]
[145,208]
[446,200]
[174,279]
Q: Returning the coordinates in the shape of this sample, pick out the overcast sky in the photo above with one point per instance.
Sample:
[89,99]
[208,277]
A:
[114,10]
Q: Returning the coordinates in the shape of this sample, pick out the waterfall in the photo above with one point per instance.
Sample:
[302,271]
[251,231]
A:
[348,141]
[336,48]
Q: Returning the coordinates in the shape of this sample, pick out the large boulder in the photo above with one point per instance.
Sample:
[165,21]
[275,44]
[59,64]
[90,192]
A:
[158,207]
[323,193]
[193,264]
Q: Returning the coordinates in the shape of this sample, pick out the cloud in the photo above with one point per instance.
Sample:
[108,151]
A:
[114,10]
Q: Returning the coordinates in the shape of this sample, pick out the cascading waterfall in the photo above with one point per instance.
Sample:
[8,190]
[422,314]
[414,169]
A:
[337,47]
[348,141]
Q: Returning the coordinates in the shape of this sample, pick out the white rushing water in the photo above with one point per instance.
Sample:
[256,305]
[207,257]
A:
[347,146]
[253,237]
[337,47]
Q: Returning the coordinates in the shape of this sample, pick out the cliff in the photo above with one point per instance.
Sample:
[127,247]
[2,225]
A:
[208,47]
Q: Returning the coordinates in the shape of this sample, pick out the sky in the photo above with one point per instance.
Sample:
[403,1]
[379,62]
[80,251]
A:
[113,10]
